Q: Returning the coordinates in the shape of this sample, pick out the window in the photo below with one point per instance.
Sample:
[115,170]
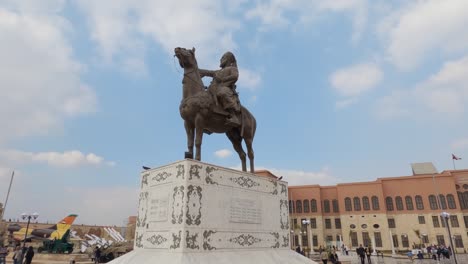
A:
[395,240]
[375,203]
[326,206]
[354,240]
[328,223]
[313,223]
[313,206]
[443,221]
[435,221]
[391,223]
[337,223]
[305,241]
[378,239]
[315,240]
[399,203]
[451,201]
[306,206]
[366,239]
[425,239]
[357,204]
[458,241]
[419,202]
[296,240]
[440,239]
[443,203]
[329,239]
[404,241]
[291,207]
[433,202]
[389,203]
[348,206]
[365,203]
[295,225]
[421,219]
[299,207]
[463,199]
[336,209]
[409,203]
[465,218]
[454,221]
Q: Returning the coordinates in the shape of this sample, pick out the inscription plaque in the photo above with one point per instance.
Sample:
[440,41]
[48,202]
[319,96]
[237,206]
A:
[158,210]
[246,211]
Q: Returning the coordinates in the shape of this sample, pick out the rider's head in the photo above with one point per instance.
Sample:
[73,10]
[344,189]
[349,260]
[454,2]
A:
[228,59]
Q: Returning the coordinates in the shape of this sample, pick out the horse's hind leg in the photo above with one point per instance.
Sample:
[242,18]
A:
[236,140]
[250,152]
[190,130]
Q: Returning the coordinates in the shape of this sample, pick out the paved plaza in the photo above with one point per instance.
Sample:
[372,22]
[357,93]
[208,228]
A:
[462,259]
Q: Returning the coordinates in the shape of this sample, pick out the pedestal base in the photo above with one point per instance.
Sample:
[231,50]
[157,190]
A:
[193,212]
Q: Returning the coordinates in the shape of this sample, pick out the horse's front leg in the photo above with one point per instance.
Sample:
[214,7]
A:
[190,130]
[198,142]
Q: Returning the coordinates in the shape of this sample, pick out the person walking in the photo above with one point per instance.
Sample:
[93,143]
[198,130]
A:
[97,255]
[29,255]
[361,253]
[368,254]
[17,255]
[324,256]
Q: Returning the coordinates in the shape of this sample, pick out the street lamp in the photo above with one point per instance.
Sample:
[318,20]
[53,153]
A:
[25,216]
[446,216]
[306,222]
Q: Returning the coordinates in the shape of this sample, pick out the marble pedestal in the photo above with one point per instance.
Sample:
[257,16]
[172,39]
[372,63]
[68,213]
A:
[193,212]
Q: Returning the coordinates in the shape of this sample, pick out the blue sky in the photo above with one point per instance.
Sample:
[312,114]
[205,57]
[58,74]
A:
[344,90]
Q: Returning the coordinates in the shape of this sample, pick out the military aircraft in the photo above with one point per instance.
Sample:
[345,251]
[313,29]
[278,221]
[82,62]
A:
[56,231]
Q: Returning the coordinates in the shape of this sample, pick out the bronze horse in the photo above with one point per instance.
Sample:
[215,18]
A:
[197,108]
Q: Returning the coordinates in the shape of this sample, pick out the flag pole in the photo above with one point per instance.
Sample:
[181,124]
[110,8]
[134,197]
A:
[8,194]
[453,160]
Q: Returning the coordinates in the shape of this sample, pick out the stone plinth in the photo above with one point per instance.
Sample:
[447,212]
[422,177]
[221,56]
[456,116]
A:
[193,212]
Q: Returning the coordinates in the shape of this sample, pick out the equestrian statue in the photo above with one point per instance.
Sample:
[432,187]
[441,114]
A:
[215,109]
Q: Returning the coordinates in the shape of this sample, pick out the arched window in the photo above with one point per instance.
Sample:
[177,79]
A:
[463,205]
[375,203]
[465,198]
[291,207]
[399,203]
[365,203]
[451,201]
[313,206]
[409,203]
[326,206]
[443,203]
[357,204]
[433,202]
[419,202]
[389,203]
[347,204]
[336,209]
[306,206]
[299,207]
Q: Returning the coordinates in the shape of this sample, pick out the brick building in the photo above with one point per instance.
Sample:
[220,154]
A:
[403,210]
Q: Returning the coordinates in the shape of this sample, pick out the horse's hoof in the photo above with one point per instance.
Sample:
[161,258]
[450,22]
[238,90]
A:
[188,155]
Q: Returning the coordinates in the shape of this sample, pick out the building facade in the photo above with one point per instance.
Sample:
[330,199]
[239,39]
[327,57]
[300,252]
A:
[399,212]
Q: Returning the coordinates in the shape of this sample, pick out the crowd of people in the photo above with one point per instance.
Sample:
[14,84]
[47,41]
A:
[21,255]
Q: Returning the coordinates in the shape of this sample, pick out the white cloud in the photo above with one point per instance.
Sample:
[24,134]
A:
[460,144]
[341,104]
[276,13]
[356,79]
[298,177]
[423,28]
[445,92]
[223,153]
[248,79]
[121,27]
[71,158]
[39,78]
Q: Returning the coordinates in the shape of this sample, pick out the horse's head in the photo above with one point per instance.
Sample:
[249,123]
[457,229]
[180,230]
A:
[186,57]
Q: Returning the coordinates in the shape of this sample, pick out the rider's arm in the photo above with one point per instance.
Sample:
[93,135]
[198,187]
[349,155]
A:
[204,73]
[231,77]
